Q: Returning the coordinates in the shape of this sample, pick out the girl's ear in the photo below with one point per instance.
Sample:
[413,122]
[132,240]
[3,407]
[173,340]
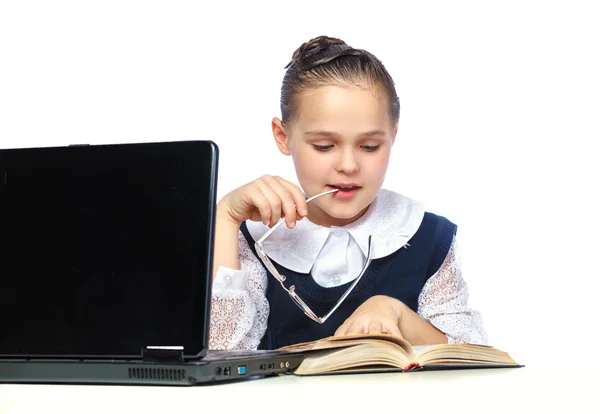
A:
[281,138]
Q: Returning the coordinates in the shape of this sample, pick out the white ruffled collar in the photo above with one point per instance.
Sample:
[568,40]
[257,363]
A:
[391,219]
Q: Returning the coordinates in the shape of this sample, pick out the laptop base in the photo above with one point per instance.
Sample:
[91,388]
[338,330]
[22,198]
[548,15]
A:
[213,368]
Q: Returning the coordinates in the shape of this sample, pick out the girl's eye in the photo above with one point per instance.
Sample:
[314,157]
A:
[323,147]
[369,148]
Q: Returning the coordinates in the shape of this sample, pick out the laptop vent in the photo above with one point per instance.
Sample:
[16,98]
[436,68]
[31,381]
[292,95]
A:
[174,375]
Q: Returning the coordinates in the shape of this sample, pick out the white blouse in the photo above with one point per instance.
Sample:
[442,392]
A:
[335,256]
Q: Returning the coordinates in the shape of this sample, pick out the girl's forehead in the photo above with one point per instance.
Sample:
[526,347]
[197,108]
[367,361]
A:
[345,104]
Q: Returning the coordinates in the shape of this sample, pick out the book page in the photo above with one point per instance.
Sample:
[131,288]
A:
[461,354]
[351,340]
[354,358]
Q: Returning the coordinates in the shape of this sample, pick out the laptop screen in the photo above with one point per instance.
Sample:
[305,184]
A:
[106,249]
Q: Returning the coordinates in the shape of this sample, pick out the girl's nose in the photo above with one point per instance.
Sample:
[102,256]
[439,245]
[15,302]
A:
[347,162]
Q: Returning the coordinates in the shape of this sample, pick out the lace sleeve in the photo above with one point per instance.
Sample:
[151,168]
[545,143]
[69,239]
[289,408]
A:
[239,308]
[443,301]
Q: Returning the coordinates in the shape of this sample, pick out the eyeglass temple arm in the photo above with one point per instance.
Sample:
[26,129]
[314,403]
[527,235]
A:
[281,220]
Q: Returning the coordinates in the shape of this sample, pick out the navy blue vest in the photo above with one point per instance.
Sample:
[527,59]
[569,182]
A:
[401,275]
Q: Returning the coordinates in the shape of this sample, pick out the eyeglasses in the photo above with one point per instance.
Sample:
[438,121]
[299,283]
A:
[292,289]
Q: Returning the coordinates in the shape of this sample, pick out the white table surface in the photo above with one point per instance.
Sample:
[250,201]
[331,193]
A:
[569,389]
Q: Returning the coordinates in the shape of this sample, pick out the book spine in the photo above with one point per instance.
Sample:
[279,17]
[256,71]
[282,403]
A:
[411,366]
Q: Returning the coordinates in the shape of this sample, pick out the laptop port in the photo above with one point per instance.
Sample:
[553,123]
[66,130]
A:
[226,371]
[263,367]
[271,366]
[241,370]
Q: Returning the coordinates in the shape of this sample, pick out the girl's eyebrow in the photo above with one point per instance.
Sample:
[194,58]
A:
[321,133]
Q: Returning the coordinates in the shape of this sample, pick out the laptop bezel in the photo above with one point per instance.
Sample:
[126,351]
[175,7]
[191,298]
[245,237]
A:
[207,147]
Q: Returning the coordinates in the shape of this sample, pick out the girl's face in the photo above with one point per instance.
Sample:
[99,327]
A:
[341,137]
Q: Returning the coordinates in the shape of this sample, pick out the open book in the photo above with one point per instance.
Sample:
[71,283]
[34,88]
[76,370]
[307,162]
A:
[372,353]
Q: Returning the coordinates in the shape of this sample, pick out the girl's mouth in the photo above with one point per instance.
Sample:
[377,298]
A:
[345,191]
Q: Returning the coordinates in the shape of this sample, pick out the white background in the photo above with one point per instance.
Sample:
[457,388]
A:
[499,123]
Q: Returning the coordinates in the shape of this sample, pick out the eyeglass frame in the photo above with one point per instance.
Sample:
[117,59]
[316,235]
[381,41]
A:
[292,289]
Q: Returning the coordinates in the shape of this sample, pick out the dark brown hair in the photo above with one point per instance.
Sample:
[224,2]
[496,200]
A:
[327,60]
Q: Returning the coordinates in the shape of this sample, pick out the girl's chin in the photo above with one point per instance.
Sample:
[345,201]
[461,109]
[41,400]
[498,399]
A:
[337,216]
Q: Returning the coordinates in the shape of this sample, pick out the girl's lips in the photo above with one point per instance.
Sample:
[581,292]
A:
[343,194]
[344,187]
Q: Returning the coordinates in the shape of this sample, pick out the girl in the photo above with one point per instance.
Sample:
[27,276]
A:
[353,258]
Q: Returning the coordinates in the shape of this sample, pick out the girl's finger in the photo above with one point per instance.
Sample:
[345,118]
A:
[297,195]
[286,199]
[374,327]
[341,331]
[357,327]
[262,204]
[391,328]
[274,201]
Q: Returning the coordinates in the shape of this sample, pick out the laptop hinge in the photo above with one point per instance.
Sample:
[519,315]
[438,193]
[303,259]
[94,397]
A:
[163,353]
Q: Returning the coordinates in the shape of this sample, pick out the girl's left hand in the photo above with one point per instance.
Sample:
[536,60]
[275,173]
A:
[379,314]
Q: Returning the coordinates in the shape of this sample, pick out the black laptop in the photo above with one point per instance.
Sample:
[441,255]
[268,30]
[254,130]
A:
[106,267]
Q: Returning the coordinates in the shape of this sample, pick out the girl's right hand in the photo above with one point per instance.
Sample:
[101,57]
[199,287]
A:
[265,199]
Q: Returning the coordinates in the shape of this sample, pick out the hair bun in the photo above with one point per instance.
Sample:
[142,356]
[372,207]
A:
[315,46]
[323,46]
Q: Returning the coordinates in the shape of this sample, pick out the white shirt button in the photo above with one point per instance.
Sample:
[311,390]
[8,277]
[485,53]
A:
[227,279]
[338,232]
[336,280]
